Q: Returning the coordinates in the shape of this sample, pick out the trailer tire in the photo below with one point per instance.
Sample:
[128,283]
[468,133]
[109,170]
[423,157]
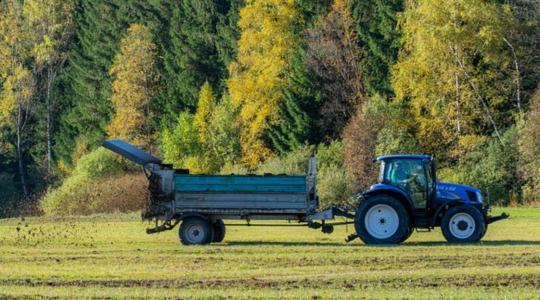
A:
[196,231]
[382,219]
[219,231]
[463,224]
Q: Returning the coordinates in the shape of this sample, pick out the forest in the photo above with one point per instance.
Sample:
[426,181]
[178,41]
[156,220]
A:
[258,86]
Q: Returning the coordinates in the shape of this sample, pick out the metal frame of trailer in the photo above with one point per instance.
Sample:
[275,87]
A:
[176,195]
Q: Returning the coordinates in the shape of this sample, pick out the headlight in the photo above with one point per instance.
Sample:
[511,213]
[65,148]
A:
[479,197]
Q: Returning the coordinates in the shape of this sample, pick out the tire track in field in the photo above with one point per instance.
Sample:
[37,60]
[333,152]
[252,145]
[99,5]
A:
[455,281]
[371,263]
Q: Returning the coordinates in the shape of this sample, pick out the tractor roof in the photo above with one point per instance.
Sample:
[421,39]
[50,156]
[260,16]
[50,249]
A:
[404,156]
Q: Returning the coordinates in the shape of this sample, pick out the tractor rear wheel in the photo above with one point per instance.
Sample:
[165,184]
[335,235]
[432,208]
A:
[219,231]
[463,224]
[196,231]
[382,219]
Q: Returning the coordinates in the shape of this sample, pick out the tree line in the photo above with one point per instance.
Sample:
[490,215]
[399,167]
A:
[232,86]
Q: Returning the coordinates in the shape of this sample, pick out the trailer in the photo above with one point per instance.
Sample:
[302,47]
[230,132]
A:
[407,196]
[202,202]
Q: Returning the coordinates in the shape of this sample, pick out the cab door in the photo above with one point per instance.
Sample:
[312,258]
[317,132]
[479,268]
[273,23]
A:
[411,175]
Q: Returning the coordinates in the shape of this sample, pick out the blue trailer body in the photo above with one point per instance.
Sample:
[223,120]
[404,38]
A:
[239,184]
[249,195]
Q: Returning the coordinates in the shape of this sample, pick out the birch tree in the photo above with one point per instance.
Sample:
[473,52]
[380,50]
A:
[52,24]
[16,79]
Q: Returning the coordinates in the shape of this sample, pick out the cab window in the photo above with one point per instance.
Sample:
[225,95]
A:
[410,175]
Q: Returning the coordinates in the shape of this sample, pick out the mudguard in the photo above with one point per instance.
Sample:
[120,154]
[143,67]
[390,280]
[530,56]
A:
[381,188]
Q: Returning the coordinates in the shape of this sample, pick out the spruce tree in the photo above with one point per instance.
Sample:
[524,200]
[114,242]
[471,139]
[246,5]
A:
[299,109]
[202,37]
[376,25]
[86,83]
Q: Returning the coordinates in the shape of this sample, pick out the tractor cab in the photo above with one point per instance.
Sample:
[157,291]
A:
[414,175]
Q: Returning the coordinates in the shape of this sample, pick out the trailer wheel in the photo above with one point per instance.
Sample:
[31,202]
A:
[196,231]
[463,224]
[382,219]
[219,231]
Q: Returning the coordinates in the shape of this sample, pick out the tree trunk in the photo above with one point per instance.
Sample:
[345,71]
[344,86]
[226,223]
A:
[19,154]
[49,117]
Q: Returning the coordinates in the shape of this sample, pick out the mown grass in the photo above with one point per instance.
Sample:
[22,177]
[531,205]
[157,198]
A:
[111,256]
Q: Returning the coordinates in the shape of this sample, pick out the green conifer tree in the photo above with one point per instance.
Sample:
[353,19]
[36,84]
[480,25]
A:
[376,25]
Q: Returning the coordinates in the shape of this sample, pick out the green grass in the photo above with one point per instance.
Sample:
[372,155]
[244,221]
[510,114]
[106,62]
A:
[111,256]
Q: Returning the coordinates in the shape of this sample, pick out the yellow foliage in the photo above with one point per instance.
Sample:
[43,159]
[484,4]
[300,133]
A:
[450,68]
[17,80]
[268,35]
[52,22]
[135,84]
[205,107]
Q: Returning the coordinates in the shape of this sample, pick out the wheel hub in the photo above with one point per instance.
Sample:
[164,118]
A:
[194,233]
[381,221]
[462,225]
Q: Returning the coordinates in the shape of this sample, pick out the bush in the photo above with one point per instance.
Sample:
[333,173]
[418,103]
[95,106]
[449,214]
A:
[529,143]
[294,163]
[334,186]
[9,195]
[99,183]
[333,183]
[489,166]
[203,143]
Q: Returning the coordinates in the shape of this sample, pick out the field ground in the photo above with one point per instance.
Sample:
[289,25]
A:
[112,256]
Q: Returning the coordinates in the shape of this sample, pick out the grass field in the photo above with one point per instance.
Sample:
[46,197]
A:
[112,256]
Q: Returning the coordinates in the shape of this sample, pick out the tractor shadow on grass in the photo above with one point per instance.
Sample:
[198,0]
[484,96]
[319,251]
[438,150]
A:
[406,244]
[291,244]
[482,243]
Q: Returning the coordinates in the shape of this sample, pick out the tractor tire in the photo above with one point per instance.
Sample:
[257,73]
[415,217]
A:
[382,219]
[463,224]
[219,231]
[196,231]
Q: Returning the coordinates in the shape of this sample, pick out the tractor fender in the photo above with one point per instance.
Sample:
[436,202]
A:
[439,212]
[384,189]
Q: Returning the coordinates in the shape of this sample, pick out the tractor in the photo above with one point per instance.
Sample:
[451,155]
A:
[408,196]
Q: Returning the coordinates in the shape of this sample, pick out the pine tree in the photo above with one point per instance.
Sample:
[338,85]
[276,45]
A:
[376,24]
[269,31]
[135,84]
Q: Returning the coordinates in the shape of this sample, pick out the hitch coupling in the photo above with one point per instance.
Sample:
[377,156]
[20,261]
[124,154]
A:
[491,219]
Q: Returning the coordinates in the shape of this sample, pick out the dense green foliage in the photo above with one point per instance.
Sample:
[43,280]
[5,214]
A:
[223,86]
[376,25]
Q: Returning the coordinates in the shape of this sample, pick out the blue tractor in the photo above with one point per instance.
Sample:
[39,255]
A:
[408,196]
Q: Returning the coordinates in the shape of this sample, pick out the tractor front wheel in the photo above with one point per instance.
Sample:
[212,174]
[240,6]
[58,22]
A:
[382,219]
[463,224]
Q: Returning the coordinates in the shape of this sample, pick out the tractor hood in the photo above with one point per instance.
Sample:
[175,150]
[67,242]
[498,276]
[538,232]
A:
[452,191]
